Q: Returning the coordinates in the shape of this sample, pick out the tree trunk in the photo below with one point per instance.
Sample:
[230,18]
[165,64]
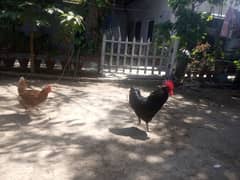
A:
[32,55]
[77,65]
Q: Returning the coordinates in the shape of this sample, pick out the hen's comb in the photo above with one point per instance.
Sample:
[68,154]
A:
[49,87]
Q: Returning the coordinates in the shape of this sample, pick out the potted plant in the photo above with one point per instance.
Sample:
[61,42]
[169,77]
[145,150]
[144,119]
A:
[23,63]
[50,63]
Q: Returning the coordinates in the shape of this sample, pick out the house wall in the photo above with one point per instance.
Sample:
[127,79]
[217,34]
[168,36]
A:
[217,10]
[119,23]
[148,10]
[152,10]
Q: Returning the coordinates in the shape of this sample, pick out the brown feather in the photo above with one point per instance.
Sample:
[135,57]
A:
[31,97]
[34,97]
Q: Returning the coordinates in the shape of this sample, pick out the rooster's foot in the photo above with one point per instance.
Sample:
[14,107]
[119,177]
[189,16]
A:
[147,127]
[139,121]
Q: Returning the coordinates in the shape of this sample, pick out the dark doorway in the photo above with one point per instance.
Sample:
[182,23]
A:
[138,27]
[150,30]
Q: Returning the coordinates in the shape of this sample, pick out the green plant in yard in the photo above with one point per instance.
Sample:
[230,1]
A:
[191,27]
[72,23]
[237,64]
[236,83]
[36,14]
[162,32]
[32,13]
[202,60]
[73,32]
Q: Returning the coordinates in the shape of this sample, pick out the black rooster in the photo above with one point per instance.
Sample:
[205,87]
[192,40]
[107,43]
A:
[146,107]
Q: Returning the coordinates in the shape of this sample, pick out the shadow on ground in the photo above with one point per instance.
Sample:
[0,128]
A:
[88,131]
[132,132]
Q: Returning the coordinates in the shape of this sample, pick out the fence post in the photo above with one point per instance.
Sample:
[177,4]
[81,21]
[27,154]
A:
[101,67]
[111,54]
[174,49]
[118,52]
[125,54]
[154,56]
[146,57]
[162,58]
[139,55]
[133,53]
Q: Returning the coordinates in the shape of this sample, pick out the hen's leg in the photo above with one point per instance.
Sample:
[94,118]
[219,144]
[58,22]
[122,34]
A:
[147,127]
[25,106]
[139,120]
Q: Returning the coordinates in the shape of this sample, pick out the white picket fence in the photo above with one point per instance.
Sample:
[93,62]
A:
[137,57]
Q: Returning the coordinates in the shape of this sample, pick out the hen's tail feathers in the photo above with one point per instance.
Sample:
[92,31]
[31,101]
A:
[22,85]
[21,79]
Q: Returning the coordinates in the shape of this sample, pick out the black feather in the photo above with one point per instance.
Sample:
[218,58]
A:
[146,107]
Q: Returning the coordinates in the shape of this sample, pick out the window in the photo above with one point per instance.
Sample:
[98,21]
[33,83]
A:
[138,30]
[150,30]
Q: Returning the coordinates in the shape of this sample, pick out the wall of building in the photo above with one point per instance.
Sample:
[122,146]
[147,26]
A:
[219,10]
[146,11]
[119,22]
[152,10]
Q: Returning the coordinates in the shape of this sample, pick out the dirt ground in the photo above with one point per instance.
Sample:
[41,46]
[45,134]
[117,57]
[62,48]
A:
[88,131]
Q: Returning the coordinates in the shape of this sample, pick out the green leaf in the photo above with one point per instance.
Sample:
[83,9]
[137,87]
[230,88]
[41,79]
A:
[210,18]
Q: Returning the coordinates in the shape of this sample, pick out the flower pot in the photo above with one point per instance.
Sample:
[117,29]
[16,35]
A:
[23,63]
[50,64]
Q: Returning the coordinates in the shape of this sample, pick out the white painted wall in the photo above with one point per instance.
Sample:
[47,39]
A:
[149,10]
[220,10]
[156,10]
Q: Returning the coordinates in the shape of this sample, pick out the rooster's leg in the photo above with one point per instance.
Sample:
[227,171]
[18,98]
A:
[147,127]
[139,120]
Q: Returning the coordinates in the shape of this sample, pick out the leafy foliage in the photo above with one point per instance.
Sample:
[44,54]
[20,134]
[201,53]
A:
[191,27]
[162,32]
[102,3]
[179,4]
[72,23]
[202,58]
[237,63]
[41,13]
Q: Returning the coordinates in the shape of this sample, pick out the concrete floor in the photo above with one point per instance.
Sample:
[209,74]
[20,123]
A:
[88,131]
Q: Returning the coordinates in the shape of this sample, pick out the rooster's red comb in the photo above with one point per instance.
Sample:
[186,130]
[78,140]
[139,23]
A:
[170,85]
[48,87]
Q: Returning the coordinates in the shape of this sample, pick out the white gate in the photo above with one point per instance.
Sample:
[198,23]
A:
[138,57]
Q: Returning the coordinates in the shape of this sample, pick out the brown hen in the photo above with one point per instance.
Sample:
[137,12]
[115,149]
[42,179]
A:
[32,97]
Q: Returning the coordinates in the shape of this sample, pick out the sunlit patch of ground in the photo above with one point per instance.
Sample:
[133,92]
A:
[88,131]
